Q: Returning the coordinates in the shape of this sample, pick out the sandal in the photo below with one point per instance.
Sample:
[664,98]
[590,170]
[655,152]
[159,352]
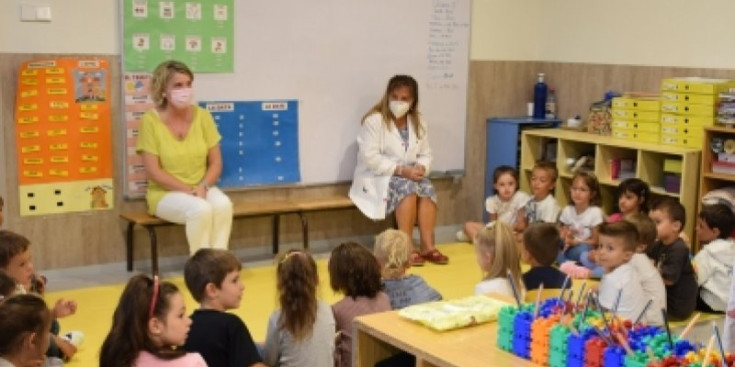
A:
[436,257]
[416,259]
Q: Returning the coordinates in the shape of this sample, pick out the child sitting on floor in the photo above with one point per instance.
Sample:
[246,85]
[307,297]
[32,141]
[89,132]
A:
[354,272]
[671,256]
[24,323]
[504,205]
[392,250]
[579,220]
[497,254]
[714,262]
[213,279]
[651,282]
[542,206]
[540,250]
[620,288]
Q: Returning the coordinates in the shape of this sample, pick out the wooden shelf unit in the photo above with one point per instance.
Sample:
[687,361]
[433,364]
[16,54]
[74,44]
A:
[711,180]
[649,160]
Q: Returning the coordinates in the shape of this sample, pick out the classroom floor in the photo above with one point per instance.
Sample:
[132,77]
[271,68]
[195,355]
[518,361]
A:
[97,303]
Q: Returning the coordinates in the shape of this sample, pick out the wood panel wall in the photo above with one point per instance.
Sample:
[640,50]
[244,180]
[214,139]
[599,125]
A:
[496,88]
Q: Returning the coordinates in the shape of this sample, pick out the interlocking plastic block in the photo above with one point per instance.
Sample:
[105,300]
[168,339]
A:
[540,330]
[614,356]
[638,359]
[576,346]
[558,342]
[594,352]
[683,346]
[522,334]
[506,319]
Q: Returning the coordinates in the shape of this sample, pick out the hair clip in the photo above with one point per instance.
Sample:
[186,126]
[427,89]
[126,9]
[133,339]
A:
[154,297]
[288,255]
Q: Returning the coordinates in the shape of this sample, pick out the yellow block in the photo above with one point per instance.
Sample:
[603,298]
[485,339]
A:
[678,140]
[696,85]
[638,104]
[672,165]
[634,135]
[652,116]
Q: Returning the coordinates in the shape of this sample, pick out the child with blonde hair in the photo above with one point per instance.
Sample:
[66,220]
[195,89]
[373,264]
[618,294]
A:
[393,249]
[497,254]
[301,332]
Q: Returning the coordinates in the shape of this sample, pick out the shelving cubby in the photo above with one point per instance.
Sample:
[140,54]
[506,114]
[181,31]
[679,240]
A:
[649,160]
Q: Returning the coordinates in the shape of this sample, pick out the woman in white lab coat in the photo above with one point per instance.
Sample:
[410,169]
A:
[392,164]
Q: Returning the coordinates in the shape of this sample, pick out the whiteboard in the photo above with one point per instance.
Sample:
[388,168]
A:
[335,57]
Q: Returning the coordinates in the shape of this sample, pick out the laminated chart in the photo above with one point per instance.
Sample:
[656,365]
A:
[260,142]
[136,87]
[198,33]
[63,136]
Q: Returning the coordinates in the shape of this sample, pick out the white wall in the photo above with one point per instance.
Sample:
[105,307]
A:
[77,26]
[638,32]
[641,32]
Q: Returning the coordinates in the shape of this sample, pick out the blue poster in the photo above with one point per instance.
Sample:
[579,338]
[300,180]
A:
[260,142]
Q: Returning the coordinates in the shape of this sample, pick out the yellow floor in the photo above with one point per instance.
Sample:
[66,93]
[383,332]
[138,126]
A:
[96,305]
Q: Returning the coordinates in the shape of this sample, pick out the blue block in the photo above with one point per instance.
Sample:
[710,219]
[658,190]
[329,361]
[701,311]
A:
[522,334]
[614,356]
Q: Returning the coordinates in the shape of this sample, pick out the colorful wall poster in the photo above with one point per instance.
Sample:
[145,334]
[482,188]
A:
[63,136]
[136,87]
[260,142]
[198,33]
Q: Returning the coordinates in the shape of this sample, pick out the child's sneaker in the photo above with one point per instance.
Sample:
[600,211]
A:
[75,337]
[462,237]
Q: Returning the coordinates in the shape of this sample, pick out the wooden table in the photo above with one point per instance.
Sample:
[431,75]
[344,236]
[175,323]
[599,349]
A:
[380,335]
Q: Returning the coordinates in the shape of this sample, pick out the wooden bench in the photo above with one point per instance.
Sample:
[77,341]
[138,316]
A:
[274,208]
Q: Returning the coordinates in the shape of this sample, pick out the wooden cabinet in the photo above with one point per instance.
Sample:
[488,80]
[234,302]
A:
[710,180]
[560,145]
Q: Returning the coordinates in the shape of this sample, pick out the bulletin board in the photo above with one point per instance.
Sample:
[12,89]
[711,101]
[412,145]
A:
[334,58]
[63,136]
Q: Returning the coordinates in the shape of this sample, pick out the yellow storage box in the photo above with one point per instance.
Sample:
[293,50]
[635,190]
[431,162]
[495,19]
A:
[678,140]
[652,116]
[688,108]
[636,103]
[696,85]
[708,99]
[672,165]
[640,126]
[687,120]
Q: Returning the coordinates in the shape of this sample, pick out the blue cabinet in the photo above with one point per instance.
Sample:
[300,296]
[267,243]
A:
[504,144]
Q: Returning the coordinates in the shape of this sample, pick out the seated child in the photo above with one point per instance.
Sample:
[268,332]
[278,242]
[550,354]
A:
[24,323]
[301,332]
[542,207]
[392,250]
[633,197]
[620,289]
[714,262]
[497,253]
[213,279]
[671,256]
[540,250]
[651,282]
[15,261]
[580,219]
[148,327]
[504,205]
[354,272]
[7,286]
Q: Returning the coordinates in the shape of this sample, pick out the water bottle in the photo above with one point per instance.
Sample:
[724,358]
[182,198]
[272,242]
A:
[539,98]
[551,104]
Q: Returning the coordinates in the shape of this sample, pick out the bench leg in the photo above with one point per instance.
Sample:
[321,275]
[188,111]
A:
[276,224]
[154,249]
[304,230]
[129,246]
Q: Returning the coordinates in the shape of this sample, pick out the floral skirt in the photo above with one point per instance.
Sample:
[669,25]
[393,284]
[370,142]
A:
[400,187]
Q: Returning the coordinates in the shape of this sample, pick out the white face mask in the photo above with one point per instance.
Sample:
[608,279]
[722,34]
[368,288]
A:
[399,108]
[181,97]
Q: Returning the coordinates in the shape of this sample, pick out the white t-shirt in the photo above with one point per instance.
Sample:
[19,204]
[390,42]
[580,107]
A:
[581,223]
[653,287]
[713,264]
[546,210]
[729,332]
[495,285]
[506,210]
[632,300]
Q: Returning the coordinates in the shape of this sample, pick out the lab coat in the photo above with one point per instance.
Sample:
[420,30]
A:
[380,151]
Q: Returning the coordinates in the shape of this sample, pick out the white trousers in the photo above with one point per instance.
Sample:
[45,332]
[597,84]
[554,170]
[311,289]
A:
[208,221]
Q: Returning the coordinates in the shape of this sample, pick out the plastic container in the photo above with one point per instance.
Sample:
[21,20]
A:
[551,104]
[540,91]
